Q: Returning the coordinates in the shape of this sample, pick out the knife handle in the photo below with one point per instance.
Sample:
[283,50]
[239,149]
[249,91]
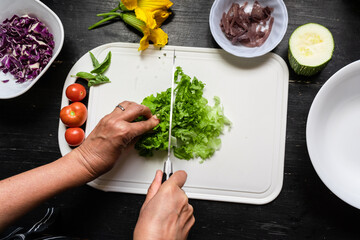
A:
[168,170]
[165,177]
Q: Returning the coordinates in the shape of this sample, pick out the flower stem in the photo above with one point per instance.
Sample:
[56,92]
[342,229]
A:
[102,21]
[115,9]
[109,14]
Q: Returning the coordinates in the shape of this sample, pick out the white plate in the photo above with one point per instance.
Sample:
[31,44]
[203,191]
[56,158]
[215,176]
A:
[35,8]
[333,134]
[249,166]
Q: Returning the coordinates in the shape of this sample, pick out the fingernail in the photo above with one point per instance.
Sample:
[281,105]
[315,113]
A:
[155,117]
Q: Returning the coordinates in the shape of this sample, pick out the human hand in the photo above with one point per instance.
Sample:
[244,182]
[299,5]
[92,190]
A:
[166,213]
[99,152]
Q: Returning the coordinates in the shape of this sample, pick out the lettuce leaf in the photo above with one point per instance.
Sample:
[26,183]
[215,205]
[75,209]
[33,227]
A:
[197,126]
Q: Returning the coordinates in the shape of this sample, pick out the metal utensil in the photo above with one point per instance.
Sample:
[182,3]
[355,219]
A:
[168,167]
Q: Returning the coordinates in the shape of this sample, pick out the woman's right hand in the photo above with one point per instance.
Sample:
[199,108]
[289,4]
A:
[166,213]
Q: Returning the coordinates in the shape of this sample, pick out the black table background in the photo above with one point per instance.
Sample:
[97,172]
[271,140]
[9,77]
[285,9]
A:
[305,208]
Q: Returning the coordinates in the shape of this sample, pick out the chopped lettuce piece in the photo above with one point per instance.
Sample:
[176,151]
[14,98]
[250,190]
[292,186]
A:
[197,126]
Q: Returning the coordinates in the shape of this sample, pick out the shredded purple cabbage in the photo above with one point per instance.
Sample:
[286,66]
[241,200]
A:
[26,47]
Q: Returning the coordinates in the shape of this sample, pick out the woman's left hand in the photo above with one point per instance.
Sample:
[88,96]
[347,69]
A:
[99,152]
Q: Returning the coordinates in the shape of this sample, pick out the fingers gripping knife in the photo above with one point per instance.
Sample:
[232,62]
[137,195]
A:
[168,168]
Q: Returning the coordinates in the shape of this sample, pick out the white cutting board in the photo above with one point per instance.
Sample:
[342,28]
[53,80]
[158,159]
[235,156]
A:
[249,166]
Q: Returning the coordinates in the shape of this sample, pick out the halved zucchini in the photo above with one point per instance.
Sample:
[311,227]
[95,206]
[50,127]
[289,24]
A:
[310,48]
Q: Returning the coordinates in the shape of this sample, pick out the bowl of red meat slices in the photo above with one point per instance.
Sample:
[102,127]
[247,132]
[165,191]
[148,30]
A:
[248,28]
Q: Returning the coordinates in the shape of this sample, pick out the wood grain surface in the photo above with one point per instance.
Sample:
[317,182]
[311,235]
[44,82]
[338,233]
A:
[305,208]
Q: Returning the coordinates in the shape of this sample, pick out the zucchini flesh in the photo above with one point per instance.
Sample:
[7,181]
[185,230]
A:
[311,47]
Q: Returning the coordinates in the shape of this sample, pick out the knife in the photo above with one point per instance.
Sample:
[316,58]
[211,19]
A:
[168,167]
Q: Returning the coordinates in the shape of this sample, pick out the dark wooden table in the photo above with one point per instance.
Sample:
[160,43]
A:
[305,208]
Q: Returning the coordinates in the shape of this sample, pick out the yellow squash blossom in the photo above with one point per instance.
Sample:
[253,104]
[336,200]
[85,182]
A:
[157,35]
[160,16]
[152,12]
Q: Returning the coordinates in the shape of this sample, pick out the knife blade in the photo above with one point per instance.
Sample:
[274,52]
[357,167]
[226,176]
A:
[168,167]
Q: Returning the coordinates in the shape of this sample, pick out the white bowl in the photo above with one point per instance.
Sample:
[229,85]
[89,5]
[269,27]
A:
[34,8]
[333,134]
[276,35]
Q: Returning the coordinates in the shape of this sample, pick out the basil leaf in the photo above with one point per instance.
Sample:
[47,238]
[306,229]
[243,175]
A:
[99,79]
[104,65]
[95,62]
[85,75]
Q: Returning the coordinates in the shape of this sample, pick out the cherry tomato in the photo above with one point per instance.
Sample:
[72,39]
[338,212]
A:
[74,136]
[74,115]
[75,92]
